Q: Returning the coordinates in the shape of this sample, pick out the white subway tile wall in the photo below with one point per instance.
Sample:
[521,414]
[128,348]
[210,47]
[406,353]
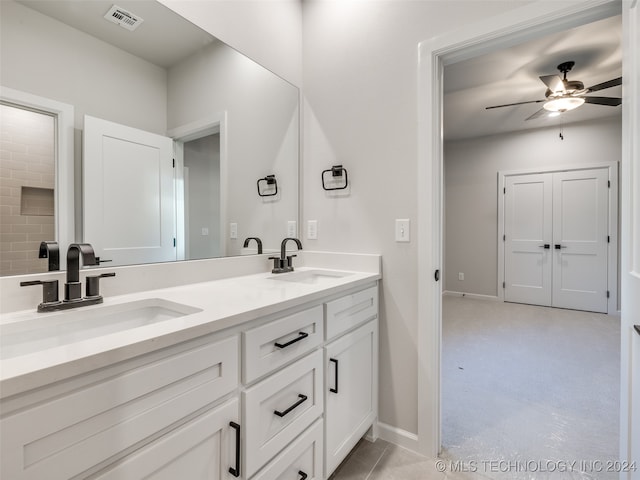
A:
[27,180]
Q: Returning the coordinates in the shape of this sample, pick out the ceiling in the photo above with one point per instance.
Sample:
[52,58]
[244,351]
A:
[163,38]
[512,75]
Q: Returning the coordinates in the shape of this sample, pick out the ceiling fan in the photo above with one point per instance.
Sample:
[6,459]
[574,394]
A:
[563,95]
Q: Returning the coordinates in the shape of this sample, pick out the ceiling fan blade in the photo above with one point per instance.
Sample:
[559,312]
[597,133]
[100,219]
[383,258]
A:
[601,86]
[610,101]
[512,104]
[553,82]
[539,113]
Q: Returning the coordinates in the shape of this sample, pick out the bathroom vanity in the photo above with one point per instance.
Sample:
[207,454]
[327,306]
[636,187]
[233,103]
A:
[260,377]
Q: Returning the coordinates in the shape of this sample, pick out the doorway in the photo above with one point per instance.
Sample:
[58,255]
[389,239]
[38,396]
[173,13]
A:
[528,22]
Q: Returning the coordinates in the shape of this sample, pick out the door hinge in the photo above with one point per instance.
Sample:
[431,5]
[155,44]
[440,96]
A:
[174,242]
[607,293]
[504,238]
[174,163]
[504,285]
[504,190]
[608,183]
[608,239]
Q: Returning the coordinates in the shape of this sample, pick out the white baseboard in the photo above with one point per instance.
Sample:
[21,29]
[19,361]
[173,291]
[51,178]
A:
[471,295]
[398,437]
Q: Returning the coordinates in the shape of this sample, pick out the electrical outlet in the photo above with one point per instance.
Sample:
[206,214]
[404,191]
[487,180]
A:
[233,230]
[460,276]
[205,231]
[312,230]
[292,228]
[403,230]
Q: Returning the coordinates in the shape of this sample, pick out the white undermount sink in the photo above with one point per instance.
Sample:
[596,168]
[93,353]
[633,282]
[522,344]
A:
[310,276]
[44,331]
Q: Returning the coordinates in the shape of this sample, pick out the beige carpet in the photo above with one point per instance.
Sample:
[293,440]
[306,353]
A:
[529,392]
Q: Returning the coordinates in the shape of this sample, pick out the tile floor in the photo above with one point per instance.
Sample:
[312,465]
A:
[520,384]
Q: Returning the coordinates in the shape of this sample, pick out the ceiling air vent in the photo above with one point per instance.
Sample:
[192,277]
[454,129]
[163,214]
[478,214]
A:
[124,18]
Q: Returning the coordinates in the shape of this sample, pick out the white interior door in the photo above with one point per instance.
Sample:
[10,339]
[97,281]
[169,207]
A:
[580,236]
[527,228]
[128,184]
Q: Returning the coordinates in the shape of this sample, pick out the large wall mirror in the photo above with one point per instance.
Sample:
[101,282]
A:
[147,88]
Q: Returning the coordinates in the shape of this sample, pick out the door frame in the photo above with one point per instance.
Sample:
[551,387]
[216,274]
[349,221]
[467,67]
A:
[612,249]
[64,198]
[516,26]
[214,123]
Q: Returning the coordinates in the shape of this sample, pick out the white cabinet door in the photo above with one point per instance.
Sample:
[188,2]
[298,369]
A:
[580,230]
[350,390]
[128,190]
[203,449]
[527,228]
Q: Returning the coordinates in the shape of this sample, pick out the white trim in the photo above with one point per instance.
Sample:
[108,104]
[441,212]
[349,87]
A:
[477,296]
[612,250]
[516,26]
[215,123]
[399,437]
[65,159]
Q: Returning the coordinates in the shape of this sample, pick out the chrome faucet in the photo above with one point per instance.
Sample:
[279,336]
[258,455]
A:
[72,288]
[258,241]
[285,262]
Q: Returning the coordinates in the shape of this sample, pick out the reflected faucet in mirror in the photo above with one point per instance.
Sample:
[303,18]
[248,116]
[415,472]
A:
[284,263]
[258,241]
[51,251]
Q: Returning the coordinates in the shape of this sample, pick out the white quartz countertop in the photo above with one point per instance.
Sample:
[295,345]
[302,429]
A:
[222,303]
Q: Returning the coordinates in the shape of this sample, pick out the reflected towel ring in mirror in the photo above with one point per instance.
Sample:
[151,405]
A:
[269,184]
[336,173]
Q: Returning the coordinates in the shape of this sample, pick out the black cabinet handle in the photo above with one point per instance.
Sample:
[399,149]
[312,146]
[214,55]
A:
[301,336]
[236,471]
[303,475]
[546,246]
[558,246]
[335,390]
[297,404]
[637,327]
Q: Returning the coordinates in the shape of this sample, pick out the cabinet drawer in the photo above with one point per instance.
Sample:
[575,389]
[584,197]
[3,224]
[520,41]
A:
[351,310]
[202,449]
[301,459]
[77,431]
[281,407]
[271,346]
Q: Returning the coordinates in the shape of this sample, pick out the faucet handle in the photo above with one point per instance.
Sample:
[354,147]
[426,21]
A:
[49,291]
[290,261]
[278,264]
[99,261]
[92,288]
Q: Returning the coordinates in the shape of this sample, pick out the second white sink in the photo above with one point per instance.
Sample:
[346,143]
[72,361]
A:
[310,276]
[44,331]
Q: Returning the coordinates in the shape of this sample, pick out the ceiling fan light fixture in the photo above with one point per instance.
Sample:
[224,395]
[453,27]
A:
[563,104]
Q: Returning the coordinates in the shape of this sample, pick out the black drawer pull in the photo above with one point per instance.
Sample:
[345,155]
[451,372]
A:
[303,475]
[637,327]
[302,398]
[334,390]
[301,336]
[236,471]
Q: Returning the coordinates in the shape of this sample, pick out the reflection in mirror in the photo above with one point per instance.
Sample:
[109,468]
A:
[27,206]
[231,121]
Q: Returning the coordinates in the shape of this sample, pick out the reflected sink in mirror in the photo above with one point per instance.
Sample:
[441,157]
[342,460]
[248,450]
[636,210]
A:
[42,331]
[310,276]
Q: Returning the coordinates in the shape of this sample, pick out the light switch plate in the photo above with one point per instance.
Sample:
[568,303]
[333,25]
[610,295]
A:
[233,230]
[292,228]
[312,230]
[403,230]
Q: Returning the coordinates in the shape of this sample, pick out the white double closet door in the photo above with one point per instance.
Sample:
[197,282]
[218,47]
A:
[556,239]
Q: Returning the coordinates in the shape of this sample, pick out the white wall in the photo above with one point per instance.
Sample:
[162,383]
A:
[45,57]
[471,186]
[267,31]
[360,64]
